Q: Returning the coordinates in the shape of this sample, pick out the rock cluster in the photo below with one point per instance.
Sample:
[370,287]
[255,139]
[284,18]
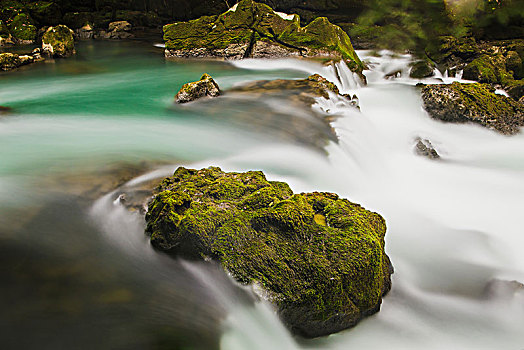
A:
[318,257]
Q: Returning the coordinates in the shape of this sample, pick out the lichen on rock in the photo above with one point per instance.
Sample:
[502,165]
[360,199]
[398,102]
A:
[58,41]
[9,61]
[252,29]
[319,258]
[476,103]
[206,86]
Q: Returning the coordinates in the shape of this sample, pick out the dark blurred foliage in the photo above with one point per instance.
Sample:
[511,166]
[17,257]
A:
[499,19]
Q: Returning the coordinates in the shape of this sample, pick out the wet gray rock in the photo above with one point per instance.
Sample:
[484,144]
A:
[423,147]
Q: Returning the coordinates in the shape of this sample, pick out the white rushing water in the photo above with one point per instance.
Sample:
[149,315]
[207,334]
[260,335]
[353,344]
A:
[454,224]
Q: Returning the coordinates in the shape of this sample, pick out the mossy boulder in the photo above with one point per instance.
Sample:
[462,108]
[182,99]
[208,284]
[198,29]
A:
[9,61]
[421,69]
[319,258]
[251,29]
[58,41]
[476,103]
[488,69]
[206,86]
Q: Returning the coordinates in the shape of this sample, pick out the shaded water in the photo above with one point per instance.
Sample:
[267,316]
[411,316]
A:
[78,271]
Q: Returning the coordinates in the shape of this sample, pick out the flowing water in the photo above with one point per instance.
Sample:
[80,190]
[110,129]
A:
[77,270]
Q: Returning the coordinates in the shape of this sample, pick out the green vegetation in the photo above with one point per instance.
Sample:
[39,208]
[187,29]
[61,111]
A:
[476,103]
[58,41]
[238,33]
[311,251]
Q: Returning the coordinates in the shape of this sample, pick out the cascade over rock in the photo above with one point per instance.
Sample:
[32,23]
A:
[319,258]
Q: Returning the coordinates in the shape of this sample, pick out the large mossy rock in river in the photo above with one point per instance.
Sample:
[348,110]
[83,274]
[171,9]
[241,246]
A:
[318,257]
[251,29]
[476,103]
[58,41]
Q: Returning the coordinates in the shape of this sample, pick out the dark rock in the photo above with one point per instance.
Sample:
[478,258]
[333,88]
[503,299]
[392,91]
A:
[502,289]
[5,110]
[476,103]
[318,257]
[206,86]
[424,148]
[421,69]
[86,32]
[487,69]
[119,30]
[251,29]
[58,41]
[9,61]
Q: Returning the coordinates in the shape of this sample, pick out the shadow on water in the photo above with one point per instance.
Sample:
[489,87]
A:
[65,285]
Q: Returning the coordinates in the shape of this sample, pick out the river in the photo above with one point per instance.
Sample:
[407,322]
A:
[77,270]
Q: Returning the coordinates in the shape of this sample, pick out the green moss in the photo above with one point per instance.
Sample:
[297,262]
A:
[477,103]
[4,30]
[59,41]
[251,22]
[307,250]
[9,61]
[22,27]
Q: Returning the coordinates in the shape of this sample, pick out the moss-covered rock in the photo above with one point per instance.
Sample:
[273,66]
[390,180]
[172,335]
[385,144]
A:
[318,257]
[489,69]
[9,61]
[251,29]
[473,103]
[58,41]
[421,69]
[206,86]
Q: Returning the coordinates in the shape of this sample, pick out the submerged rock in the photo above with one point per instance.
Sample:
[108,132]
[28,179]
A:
[206,86]
[85,32]
[58,41]
[476,103]
[251,29]
[312,87]
[319,258]
[424,148]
